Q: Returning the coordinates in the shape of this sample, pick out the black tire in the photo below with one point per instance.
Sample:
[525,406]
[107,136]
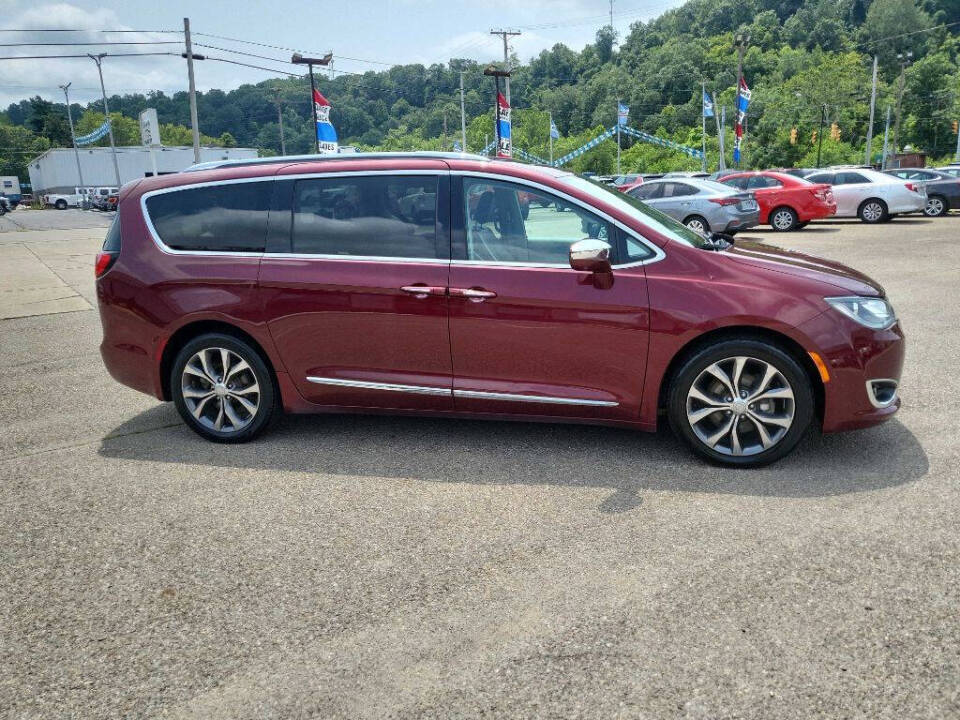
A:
[764,352]
[267,395]
[873,210]
[60,204]
[937,206]
[694,220]
[783,219]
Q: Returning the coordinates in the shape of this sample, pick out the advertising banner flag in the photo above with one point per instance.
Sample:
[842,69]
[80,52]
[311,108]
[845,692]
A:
[505,149]
[743,103]
[92,137]
[707,105]
[326,133]
[554,133]
[623,112]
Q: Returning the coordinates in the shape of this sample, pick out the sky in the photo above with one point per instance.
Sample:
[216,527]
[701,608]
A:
[363,35]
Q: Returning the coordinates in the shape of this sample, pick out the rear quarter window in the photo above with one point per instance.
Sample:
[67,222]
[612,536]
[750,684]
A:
[231,217]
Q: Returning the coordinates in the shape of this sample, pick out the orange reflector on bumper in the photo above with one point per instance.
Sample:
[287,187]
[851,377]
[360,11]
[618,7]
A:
[821,366]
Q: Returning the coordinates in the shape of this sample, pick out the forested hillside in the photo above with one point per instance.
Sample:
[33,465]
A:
[802,56]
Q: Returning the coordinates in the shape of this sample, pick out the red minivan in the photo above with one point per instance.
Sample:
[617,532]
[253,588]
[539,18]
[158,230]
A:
[455,285]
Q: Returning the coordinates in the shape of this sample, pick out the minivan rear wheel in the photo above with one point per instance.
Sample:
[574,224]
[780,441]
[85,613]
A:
[222,388]
[744,403]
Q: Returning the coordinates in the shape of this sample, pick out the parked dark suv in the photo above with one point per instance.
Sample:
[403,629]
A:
[459,286]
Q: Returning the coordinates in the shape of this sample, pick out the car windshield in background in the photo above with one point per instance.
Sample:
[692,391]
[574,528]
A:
[644,214]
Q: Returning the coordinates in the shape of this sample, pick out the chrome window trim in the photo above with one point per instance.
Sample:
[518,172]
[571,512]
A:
[658,253]
[450,392]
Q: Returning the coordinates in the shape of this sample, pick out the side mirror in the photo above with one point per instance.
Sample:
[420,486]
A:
[590,255]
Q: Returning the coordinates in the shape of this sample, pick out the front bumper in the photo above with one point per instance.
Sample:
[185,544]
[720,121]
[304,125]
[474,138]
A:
[855,357]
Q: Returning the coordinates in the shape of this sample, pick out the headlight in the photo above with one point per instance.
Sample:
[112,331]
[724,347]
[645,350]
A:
[873,312]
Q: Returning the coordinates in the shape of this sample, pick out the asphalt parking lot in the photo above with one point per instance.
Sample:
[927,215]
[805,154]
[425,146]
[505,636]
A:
[396,567]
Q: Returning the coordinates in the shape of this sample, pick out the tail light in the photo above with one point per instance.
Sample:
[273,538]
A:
[911,187]
[725,200]
[104,262]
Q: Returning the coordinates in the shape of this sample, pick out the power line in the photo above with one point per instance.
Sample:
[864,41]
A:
[59,44]
[53,57]
[53,30]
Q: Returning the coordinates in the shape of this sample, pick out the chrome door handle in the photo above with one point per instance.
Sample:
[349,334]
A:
[473,294]
[422,291]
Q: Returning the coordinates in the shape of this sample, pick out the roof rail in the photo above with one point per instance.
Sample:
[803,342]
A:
[292,159]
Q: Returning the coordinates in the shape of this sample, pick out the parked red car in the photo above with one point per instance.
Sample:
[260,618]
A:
[786,202]
[413,283]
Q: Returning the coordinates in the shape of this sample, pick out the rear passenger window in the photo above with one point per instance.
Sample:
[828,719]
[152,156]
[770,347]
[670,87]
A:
[378,216]
[231,217]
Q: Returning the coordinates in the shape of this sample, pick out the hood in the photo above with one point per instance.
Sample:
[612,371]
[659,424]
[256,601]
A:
[776,259]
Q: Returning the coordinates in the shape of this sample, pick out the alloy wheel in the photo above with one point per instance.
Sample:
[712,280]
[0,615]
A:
[934,207]
[872,212]
[220,390]
[783,220]
[698,226]
[740,406]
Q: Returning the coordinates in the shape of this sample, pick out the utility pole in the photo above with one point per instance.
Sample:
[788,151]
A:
[193,92]
[444,130]
[956,157]
[506,57]
[905,59]
[886,133]
[823,119]
[283,144]
[73,137]
[703,126]
[463,118]
[106,111]
[721,129]
[873,104]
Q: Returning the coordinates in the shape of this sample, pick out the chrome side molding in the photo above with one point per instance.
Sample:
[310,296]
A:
[470,394]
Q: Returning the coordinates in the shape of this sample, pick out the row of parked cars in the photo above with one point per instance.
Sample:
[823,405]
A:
[732,200]
[98,198]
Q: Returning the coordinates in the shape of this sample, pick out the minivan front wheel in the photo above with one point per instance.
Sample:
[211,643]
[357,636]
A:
[745,403]
[222,388]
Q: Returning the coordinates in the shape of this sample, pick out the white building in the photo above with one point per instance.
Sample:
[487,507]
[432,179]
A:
[56,170]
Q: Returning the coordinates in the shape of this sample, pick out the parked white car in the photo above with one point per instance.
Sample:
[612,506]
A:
[870,195]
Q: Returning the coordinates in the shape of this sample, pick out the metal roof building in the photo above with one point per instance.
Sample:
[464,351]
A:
[56,170]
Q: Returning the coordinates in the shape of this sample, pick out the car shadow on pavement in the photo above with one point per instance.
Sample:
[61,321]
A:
[489,452]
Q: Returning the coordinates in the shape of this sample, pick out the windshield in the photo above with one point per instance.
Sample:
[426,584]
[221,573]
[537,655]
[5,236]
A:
[643,214]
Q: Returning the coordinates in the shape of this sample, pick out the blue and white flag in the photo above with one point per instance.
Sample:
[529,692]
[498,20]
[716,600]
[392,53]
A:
[554,133]
[707,105]
[92,137]
[623,111]
[456,146]
[505,149]
[326,133]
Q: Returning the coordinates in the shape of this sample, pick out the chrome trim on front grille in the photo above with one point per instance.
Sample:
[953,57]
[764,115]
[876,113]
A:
[872,396]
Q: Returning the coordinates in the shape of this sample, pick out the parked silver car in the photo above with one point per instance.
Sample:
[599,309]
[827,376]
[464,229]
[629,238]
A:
[870,195]
[701,205]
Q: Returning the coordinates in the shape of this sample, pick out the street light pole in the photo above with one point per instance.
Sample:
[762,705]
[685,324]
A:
[283,144]
[873,105]
[106,111]
[73,136]
[298,59]
[463,118]
[905,59]
[740,41]
[491,70]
